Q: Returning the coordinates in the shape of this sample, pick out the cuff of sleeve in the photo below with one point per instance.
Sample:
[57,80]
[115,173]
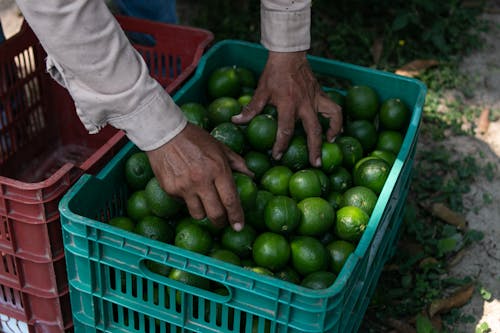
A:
[153,124]
[285,31]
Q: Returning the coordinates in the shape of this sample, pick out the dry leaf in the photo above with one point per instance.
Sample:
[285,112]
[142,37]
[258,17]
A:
[428,261]
[456,300]
[456,258]
[483,121]
[449,216]
[400,326]
[415,67]
[377,48]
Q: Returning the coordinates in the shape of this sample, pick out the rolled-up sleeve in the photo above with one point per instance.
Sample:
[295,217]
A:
[285,25]
[90,55]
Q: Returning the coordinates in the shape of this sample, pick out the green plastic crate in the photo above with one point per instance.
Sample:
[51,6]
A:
[112,290]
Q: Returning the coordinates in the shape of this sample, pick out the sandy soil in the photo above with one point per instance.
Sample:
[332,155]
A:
[482,260]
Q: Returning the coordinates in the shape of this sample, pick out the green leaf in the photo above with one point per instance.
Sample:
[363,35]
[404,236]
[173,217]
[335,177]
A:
[449,244]
[485,294]
[424,325]
[483,328]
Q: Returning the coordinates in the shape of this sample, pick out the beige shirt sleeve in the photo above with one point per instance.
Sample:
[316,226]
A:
[285,25]
[90,55]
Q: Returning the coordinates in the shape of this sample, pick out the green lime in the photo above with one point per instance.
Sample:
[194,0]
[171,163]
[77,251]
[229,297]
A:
[296,156]
[304,184]
[224,81]
[276,179]
[196,114]
[137,205]
[156,228]
[352,150]
[337,97]
[158,268]
[244,100]
[372,173]
[361,197]
[361,102]
[258,163]
[138,170]
[246,77]
[387,156]
[364,131]
[394,115]
[261,132]
[331,156]
[255,217]
[227,256]
[247,190]
[324,180]
[281,214]
[339,251]
[222,109]
[317,216]
[334,199]
[239,242]
[351,223]
[340,179]
[270,110]
[122,222]
[194,238]
[390,141]
[288,274]
[189,279]
[319,280]
[308,255]
[271,250]
[160,202]
[230,135]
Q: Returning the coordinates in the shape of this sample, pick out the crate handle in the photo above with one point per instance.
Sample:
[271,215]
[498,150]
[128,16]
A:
[164,280]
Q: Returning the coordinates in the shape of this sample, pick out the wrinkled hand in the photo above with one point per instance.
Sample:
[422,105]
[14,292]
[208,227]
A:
[197,168]
[288,83]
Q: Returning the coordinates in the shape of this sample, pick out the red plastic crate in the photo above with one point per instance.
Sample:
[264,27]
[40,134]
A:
[44,149]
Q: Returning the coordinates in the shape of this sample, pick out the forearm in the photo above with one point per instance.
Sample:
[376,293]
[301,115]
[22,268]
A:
[110,83]
[285,25]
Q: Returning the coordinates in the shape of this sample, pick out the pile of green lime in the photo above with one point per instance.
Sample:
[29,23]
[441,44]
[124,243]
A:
[302,223]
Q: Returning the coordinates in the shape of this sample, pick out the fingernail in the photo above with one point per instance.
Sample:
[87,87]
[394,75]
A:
[317,163]
[236,117]
[237,226]
[332,140]
[278,156]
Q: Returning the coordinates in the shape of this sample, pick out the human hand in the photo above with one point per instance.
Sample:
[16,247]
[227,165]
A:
[288,83]
[197,168]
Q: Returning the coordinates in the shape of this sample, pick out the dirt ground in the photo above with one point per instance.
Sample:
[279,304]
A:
[482,260]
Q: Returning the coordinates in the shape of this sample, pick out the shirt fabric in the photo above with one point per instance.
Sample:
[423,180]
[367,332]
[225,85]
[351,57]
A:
[89,54]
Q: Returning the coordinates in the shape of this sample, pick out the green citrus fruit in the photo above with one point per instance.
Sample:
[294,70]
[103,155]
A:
[247,190]
[361,197]
[364,131]
[137,205]
[196,114]
[255,217]
[230,135]
[194,238]
[258,163]
[281,214]
[352,150]
[337,97]
[246,77]
[271,250]
[351,223]
[361,102]
[390,141]
[296,156]
[339,251]
[275,180]
[317,216]
[222,109]
[189,279]
[304,184]
[244,100]
[227,256]
[138,170]
[387,156]
[288,274]
[308,255]
[155,228]
[319,280]
[334,199]
[158,268]
[340,179]
[123,222]
[394,115]
[223,81]
[270,110]
[324,180]
[239,242]
[371,173]
[261,132]
[160,202]
[331,156]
